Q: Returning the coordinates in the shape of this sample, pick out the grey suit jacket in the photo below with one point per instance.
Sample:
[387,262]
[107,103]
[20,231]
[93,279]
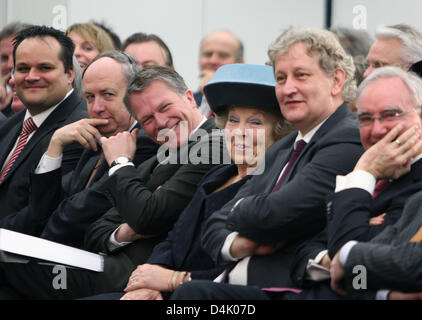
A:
[391,261]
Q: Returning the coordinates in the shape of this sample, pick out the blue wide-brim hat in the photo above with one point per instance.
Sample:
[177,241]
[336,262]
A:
[417,68]
[242,84]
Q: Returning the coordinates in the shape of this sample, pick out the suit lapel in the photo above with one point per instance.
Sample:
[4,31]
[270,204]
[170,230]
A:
[87,164]
[341,113]
[9,135]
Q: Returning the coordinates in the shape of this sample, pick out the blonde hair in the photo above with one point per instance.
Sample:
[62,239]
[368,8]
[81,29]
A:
[93,34]
[280,129]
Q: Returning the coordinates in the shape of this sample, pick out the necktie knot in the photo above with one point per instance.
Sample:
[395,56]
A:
[299,146]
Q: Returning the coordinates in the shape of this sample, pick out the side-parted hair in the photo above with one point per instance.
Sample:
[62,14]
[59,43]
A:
[145,77]
[66,44]
[410,37]
[410,79]
[141,37]
[330,52]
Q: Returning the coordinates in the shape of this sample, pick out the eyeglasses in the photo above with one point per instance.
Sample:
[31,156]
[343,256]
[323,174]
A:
[389,115]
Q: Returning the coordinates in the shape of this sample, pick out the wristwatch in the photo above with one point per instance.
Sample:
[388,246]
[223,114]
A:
[120,160]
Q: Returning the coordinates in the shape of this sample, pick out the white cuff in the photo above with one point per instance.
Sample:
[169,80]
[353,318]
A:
[356,179]
[382,294]
[118,166]
[48,164]
[225,250]
[345,250]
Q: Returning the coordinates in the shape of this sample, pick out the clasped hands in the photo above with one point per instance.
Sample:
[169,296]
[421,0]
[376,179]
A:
[149,280]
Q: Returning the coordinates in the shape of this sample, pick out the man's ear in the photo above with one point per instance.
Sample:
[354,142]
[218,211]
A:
[190,98]
[339,76]
[70,76]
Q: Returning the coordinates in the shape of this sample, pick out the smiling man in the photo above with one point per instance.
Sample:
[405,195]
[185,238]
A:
[43,79]
[73,203]
[146,200]
[260,229]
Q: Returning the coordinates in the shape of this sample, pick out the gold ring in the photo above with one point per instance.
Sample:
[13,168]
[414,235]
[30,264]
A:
[397,141]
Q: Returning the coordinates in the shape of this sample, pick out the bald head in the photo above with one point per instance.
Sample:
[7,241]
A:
[220,48]
[105,86]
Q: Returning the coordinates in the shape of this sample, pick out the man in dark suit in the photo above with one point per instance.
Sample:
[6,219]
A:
[265,222]
[358,210]
[43,77]
[72,204]
[147,200]
[216,49]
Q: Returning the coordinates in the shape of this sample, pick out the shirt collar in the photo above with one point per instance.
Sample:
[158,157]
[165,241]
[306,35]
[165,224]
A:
[41,117]
[204,119]
[307,137]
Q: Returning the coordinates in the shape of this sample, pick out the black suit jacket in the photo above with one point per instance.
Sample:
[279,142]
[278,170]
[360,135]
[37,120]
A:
[391,260]
[71,206]
[349,212]
[297,210]
[15,189]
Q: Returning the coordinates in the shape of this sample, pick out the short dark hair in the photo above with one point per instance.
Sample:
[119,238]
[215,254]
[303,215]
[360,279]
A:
[114,37]
[66,44]
[141,37]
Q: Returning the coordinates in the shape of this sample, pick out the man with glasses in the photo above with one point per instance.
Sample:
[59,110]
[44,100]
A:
[373,195]
[390,125]
[397,45]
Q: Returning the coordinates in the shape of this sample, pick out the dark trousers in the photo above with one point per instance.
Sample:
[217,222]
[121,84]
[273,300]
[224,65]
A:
[208,290]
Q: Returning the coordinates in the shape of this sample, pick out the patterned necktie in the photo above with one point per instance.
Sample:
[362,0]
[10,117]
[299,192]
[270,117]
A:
[381,184]
[300,145]
[28,127]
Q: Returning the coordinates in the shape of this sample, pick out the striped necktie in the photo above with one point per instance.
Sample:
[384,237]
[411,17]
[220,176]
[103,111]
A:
[28,127]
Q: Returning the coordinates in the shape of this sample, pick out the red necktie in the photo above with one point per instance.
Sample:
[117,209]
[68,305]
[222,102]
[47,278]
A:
[300,145]
[28,127]
[381,184]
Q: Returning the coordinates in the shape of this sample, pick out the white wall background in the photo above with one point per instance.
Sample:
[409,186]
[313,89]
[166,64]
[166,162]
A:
[182,23]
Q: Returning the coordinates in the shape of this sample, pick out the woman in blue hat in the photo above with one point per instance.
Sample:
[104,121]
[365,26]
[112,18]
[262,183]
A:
[243,100]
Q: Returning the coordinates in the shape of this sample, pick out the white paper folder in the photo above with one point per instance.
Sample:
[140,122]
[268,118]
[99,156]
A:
[29,246]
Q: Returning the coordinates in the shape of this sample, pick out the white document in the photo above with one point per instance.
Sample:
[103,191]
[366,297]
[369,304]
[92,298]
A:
[29,246]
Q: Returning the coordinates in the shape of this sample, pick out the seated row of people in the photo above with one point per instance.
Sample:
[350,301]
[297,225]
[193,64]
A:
[260,221]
